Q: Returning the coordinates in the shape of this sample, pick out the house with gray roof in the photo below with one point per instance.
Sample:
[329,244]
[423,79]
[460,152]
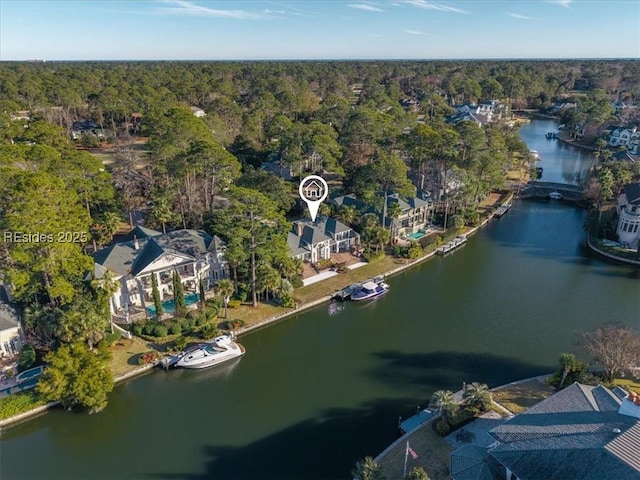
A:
[11,334]
[195,255]
[582,432]
[414,215]
[313,241]
[628,207]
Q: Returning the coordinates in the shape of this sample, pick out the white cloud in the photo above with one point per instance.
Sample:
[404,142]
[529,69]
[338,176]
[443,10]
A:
[519,16]
[429,5]
[414,32]
[564,3]
[183,7]
[365,6]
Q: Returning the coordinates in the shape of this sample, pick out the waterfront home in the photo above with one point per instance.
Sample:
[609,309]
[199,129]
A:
[625,137]
[131,262]
[583,431]
[413,218]
[628,207]
[11,334]
[480,114]
[313,241]
[414,213]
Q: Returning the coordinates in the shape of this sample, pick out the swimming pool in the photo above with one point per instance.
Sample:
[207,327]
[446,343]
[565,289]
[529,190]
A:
[169,306]
[417,235]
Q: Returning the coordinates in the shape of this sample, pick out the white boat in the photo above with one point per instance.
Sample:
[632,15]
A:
[203,355]
[370,290]
[555,196]
[535,154]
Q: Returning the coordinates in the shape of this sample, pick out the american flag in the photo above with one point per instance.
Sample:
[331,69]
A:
[412,452]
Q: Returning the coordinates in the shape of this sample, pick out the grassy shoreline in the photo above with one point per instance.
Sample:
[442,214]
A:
[125,353]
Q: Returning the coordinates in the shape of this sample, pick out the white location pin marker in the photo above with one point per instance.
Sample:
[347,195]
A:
[313,190]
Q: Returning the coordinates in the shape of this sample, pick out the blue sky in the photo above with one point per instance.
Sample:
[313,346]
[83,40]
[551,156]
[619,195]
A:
[315,29]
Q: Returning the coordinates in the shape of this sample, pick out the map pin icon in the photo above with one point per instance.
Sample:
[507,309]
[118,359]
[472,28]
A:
[313,190]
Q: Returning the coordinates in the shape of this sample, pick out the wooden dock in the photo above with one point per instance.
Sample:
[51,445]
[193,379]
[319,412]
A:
[452,245]
[501,210]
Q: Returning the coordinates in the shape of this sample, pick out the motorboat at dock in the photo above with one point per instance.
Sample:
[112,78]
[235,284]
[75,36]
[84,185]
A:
[204,355]
[370,290]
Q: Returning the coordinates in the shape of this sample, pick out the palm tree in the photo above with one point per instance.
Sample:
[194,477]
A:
[394,211]
[383,236]
[418,473]
[161,212]
[367,469]
[105,287]
[349,214]
[477,395]
[444,401]
[568,362]
[224,288]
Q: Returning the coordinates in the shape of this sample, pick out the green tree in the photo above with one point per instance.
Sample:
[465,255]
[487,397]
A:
[77,377]
[155,294]
[417,473]
[51,267]
[274,187]
[83,321]
[27,358]
[349,214]
[178,294]
[477,395]
[255,222]
[367,469]
[201,294]
[444,401]
[161,212]
[224,288]
[568,363]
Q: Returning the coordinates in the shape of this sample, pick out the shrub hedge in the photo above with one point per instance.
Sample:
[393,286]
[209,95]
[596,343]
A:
[373,257]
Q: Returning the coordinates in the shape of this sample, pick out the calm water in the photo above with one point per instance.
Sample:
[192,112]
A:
[317,392]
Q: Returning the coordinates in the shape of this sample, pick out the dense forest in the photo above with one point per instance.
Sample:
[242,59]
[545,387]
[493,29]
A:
[374,126]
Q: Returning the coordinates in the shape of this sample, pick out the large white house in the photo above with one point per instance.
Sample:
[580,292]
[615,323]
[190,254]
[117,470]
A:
[628,207]
[11,334]
[195,255]
[313,241]
[625,137]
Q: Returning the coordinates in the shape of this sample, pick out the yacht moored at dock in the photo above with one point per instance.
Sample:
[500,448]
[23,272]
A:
[370,290]
[203,355]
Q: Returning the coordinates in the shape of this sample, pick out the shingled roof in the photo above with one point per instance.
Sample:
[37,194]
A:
[576,433]
[135,255]
[632,191]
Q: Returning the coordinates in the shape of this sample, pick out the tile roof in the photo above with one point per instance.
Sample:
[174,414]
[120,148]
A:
[576,433]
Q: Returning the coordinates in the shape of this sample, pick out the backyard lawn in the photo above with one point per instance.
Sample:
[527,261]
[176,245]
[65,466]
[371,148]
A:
[520,397]
[433,455]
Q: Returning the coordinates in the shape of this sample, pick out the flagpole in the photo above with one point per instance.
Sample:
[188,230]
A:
[406,454]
